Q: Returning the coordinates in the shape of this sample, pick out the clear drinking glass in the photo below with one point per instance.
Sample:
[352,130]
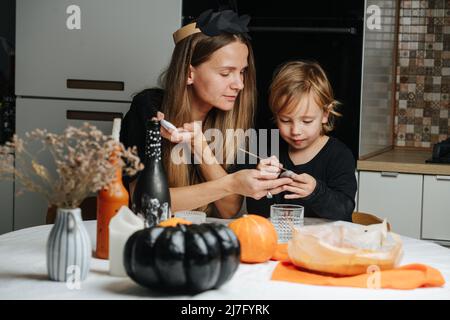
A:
[284,217]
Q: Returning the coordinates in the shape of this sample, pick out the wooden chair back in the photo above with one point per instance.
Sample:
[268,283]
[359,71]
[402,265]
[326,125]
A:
[88,210]
[367,219]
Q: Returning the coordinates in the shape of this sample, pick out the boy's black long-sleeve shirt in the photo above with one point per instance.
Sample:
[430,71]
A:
[334,196]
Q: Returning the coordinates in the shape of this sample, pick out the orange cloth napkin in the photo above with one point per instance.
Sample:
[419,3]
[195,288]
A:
[406,277]
[281,254]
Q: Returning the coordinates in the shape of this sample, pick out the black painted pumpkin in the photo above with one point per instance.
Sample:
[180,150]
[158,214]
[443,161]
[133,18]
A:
[182,259]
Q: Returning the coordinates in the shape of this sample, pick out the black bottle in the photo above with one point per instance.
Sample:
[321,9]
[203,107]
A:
[151,196]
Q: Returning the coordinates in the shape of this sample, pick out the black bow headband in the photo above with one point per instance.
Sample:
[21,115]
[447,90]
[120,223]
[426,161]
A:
[215,23]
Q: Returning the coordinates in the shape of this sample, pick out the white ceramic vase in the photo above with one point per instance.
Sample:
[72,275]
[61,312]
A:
[68,247]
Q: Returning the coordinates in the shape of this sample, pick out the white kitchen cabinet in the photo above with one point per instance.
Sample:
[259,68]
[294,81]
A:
[84,61]
[6,204]
[84,49]
[436,208]
[395,196]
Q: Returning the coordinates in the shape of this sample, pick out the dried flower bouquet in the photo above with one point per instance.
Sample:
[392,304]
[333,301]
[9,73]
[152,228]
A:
[82,158]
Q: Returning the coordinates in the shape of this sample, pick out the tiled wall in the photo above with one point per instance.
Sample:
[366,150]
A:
[423,73]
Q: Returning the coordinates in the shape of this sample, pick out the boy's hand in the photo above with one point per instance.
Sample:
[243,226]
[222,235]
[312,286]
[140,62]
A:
[302,186]
[270,167]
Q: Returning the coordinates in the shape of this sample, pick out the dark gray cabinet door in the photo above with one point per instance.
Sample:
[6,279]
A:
[102,49]
[6,202]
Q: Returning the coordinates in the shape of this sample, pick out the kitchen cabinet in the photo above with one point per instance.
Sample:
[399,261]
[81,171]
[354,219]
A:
[102,49]
[84,61]
[395,196]
[433,181]
[436,207]
[6,203]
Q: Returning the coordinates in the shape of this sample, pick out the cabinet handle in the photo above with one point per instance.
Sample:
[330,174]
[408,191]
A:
[446,178]
[389,174]
[92,115]
[95,84]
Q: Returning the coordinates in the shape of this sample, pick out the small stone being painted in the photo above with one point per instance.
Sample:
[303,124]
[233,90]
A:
[287,174]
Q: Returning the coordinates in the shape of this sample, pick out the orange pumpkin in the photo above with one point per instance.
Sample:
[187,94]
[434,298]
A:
[257,236]
[173,222]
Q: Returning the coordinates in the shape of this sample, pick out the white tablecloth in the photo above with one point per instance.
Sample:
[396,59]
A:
[23,275]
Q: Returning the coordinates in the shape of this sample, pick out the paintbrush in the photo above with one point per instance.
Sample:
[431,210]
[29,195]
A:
[287,173]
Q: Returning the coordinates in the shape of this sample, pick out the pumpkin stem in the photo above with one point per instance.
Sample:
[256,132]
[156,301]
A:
[173,222]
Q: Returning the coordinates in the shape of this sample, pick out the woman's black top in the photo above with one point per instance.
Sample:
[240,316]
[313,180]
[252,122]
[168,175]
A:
[144,106]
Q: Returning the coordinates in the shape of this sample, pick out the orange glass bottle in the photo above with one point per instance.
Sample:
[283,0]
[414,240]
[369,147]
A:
[108,204]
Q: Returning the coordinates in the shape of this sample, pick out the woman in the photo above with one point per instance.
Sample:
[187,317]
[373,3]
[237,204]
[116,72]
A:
[210,79]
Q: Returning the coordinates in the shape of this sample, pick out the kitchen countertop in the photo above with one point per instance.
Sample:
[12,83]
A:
[403,161]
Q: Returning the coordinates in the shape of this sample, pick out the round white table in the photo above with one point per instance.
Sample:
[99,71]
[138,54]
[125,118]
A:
[23,275]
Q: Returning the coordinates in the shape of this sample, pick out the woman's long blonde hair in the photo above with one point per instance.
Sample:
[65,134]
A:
[195,50]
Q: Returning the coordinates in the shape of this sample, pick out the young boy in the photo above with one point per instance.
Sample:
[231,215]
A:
[301,99]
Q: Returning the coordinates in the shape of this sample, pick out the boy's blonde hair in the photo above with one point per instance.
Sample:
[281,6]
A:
[293,80]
